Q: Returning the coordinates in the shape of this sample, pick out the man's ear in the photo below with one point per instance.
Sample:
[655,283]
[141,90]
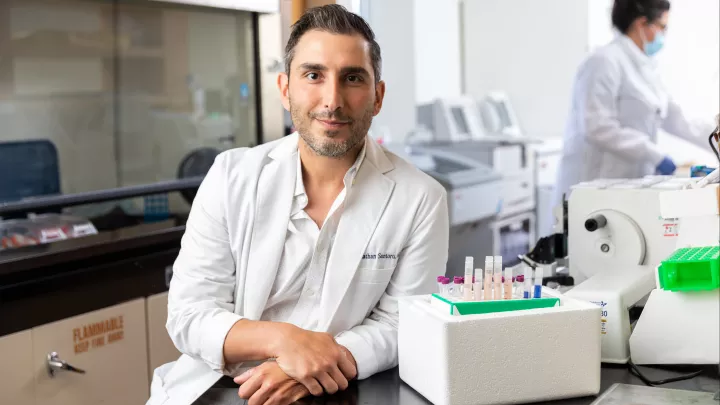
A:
[379,96]
[283,83]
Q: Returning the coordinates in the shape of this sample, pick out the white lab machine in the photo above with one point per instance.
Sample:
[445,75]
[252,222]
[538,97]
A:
[617,236]
[451,120]
[498,115]
[683,327]
[473,189]
[458,128]
[547,162]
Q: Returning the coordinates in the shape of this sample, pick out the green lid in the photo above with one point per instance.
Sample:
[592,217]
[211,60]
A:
[486,307]
[691,269]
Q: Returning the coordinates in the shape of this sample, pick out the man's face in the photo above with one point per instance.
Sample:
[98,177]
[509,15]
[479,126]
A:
[331,91]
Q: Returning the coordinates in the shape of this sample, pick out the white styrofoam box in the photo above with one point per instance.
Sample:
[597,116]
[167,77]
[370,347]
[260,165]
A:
[479,359]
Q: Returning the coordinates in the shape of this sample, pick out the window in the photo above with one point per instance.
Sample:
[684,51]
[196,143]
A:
[123,92]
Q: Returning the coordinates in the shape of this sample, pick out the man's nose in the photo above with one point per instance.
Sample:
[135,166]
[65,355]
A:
[332,97]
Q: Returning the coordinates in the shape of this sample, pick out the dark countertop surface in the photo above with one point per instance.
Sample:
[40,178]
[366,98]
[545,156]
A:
[388,389]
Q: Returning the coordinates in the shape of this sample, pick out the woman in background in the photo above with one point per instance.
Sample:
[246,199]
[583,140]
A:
[619,103]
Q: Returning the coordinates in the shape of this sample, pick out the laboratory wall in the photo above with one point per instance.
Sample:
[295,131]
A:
[396,38]
[529,49]
[437,50]
[121,94]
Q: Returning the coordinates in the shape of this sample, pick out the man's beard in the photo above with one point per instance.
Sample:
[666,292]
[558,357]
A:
[358,130]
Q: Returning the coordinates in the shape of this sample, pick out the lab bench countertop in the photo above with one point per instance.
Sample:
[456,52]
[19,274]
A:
[387,388]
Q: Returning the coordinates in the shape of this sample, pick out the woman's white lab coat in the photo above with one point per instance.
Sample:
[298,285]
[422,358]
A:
[618,105]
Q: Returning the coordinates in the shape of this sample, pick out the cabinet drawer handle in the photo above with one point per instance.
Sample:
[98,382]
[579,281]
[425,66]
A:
[54,363]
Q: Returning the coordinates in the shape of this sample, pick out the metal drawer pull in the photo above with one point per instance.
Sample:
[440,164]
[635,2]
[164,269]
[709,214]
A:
[54,363]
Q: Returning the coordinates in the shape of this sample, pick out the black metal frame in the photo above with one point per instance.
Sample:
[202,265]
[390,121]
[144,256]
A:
[90,197]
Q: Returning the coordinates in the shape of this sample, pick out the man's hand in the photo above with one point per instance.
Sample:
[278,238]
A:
[267,384]
[315,360]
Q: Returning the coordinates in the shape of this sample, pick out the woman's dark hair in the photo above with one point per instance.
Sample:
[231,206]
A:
[624,12]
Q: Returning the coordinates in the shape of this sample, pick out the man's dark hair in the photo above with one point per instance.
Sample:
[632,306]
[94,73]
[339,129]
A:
[335,19]
[624,12]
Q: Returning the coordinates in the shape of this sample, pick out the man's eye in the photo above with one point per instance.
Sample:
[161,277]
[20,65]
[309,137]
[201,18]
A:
[313,76]
[354,79]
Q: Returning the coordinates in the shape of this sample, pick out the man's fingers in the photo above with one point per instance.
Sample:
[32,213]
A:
[262,395]
[327,382]
[291,392]
[242,378]
[347,367]
[250,386]
[313,386]
[339,379]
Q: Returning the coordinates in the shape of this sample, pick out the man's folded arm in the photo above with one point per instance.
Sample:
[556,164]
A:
[374,343]
[202,290]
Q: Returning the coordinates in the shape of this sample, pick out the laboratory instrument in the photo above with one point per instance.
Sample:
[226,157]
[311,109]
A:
[477,285]
[487,286]
[527,278]
[497,277]
[508,283]
[537,292]
[511,230]
[467,290]
[474,192]
[618,232]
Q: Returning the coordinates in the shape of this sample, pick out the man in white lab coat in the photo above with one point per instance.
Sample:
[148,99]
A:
[619,104]
[298,250]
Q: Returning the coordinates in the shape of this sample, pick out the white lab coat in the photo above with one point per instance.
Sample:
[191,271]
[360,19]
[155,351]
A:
[234,240]
[618,105]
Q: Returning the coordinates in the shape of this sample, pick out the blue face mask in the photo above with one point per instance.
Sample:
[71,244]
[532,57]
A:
[651,48]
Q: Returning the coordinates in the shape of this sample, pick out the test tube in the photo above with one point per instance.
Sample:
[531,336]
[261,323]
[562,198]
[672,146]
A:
[467,289]
[518,285]
[508,283]
[487,282]
[477,285]
[440,284]
[528,283]
[497,277]
[445,287]
[538,282]
[457,287]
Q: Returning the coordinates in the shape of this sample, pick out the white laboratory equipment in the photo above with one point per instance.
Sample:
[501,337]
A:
[474,191]
[683,326]
[458,128]
[547,161]
[617,236]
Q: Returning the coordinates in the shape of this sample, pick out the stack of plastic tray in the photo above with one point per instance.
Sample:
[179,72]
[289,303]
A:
[691,269]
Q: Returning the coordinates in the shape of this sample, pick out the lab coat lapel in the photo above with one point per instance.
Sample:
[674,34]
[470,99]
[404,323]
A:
[275,190]
[364,205]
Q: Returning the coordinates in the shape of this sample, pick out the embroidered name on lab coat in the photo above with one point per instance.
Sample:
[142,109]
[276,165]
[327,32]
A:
[379,256]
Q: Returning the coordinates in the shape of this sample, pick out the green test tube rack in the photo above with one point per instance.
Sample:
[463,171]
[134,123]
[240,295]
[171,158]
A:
[691,269]
[487,307]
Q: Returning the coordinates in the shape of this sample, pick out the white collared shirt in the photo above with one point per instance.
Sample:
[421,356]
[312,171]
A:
[295,295]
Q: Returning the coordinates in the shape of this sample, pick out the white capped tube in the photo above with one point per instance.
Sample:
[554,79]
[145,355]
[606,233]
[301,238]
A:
[487,281]
[467,290]
[538,282]
[497,277]
[528,283]
[477,285]
[508,284]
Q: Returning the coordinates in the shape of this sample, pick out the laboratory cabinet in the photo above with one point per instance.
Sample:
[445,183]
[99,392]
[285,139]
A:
[106,350]
[97,304]
[16,374]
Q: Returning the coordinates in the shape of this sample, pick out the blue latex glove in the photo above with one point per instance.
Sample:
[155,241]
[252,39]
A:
[666,167]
